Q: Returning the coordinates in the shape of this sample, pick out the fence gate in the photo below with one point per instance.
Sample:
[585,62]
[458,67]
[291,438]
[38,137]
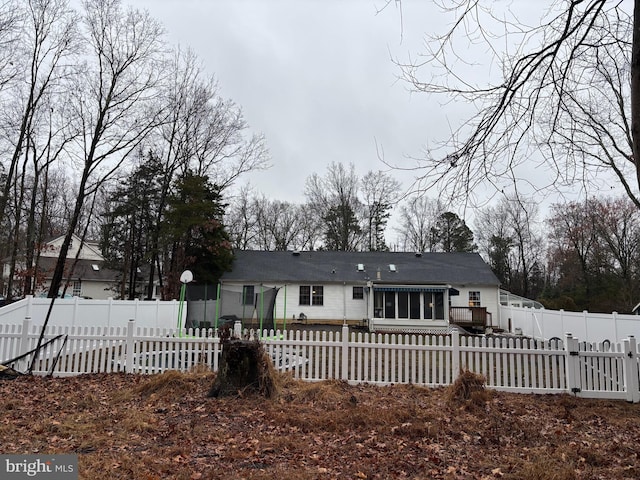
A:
[603,370]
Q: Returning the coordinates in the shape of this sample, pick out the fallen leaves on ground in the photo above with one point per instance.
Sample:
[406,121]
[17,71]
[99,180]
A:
[164,426]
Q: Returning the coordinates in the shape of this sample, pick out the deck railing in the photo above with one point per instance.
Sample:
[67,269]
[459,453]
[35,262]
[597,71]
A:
[470,316]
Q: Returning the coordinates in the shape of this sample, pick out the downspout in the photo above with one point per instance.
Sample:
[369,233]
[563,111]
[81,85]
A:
[344,303]
[261,307]
[499,309]
[447,304]
[218,300]
[370,307]
[284,315]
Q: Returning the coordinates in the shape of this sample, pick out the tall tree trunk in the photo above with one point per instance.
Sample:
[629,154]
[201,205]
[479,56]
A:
[635,90]
[58,273]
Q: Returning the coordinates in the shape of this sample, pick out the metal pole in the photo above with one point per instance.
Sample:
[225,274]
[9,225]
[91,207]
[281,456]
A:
[182,291]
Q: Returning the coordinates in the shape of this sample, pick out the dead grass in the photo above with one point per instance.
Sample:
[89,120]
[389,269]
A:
[468,388]
[164,426]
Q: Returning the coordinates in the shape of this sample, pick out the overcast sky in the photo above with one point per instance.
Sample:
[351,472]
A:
[315,76]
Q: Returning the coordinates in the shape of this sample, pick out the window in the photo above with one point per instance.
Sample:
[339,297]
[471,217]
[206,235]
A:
[474,299]
[77,288]
[248,294]
[317,297]
[311,295]
[305,295]
[358,293]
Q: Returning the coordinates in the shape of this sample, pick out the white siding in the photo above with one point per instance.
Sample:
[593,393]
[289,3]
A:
[489,298]
[338,303]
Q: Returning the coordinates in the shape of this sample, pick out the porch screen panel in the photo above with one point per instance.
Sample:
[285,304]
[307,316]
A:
[378,304]
[428,305]
[438,298]
[403,304]
[414,305]
[389,304]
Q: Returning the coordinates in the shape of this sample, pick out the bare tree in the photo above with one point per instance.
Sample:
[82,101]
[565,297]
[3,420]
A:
[115,100]
[50,38]
[527,242]
[203,134]
[574,238]
[418,218]
[11,16]
[380,191]
[334,199]
[240,219]
[567,100]
[617,221]
[280,224]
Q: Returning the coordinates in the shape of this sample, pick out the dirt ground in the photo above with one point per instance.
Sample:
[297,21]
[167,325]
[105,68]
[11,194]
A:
[164,426]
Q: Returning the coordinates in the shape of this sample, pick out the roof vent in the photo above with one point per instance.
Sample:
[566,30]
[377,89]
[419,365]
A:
[95,267]
[361,267]
[392,267]
[418,254]
[296,253]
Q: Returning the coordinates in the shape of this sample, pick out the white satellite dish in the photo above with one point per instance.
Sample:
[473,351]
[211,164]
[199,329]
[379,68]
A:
[186,276]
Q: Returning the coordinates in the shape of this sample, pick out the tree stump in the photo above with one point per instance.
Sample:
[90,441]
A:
[245,368]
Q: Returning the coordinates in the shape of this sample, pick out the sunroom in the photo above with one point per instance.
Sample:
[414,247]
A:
[402,307]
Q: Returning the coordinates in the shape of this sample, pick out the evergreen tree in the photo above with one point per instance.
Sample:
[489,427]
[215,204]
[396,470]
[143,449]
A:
[499,249]
[125,241]
[451,234]
[342,230]
[194,225]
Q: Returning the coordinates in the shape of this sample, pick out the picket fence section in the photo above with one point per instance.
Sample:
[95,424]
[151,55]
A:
[515,364]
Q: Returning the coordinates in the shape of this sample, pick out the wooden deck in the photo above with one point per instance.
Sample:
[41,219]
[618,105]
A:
[470,317]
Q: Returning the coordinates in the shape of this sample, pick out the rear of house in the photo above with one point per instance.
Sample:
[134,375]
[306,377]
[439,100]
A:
[384,291]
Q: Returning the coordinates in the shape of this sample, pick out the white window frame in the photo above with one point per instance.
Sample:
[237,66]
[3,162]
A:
[475,298]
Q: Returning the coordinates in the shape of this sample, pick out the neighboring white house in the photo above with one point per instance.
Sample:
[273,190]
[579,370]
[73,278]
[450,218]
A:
[385,291]
[89,278]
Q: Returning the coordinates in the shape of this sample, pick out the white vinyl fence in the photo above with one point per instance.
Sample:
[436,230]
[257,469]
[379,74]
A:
[590,327]
[511,364]
[71,312]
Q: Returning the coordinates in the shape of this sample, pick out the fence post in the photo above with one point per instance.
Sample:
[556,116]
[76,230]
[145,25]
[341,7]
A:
[22,365]
[237,329]
[630,369]
[344,374]
[129,348]
[455,354]
[572,364]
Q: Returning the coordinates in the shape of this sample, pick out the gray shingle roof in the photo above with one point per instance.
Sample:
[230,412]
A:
[328,267]
[83,269]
